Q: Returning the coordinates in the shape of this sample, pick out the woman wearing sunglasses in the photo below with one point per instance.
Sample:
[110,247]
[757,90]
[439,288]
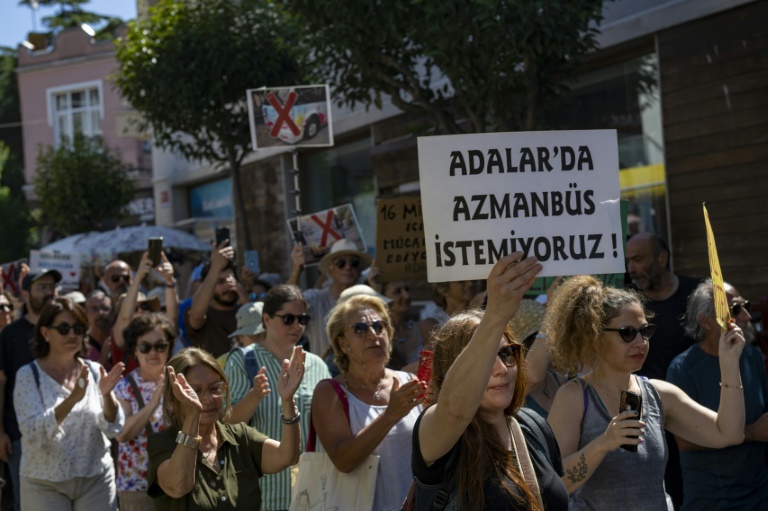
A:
[149,338]
[66,413]
[382,404]
[469,447]
[200,462]
[6,309]
[251,369]
[605,332]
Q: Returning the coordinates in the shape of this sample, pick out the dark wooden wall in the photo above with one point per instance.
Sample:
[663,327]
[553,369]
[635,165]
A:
[714,84]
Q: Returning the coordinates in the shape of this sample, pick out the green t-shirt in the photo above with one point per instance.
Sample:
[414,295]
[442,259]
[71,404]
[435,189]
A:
[237,483]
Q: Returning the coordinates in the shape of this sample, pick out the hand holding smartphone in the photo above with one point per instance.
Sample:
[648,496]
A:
[631,401]
[155,248]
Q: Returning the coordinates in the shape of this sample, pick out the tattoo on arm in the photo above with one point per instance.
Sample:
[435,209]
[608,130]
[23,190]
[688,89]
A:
[579,471]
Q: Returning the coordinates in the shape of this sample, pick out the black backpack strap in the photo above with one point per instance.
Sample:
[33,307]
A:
[140,401]
[35,373]
[443,495]
[543,433]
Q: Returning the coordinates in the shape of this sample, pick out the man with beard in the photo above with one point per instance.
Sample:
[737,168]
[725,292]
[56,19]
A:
[213,313]
[342,265]
[117,278]
[98,308]
[735,477]
[648,267]
[37,289]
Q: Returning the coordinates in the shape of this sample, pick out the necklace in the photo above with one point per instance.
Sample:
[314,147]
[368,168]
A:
[363,387]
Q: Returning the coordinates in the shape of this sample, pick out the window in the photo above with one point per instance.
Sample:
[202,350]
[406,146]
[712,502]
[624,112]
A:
[75,109]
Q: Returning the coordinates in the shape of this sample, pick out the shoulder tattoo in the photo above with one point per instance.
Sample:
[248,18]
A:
[579,471]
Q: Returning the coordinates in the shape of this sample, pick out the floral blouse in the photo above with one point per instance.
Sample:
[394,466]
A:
[132,459]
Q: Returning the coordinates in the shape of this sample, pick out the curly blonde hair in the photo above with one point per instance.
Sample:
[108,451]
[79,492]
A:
[337,323]
[575,319]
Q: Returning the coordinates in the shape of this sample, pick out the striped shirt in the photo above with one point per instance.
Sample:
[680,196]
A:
[275,488]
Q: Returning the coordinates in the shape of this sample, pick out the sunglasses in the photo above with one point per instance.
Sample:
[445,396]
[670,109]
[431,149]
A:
[341,262]
[628,333]
[361,328]
[64,328]
[117,278]
[508,354]
[6,307]
[288,319]
[159,347]
[735,308]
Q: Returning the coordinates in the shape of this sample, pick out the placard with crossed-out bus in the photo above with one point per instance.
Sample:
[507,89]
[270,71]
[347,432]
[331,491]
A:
[299,115]
[316,232]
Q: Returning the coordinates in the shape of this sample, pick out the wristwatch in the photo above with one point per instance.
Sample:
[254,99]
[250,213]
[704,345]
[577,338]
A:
[188,440]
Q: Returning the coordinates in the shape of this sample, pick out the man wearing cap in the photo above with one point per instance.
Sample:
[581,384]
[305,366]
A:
[212,316]
[342,264]
[37,289]
[250,328]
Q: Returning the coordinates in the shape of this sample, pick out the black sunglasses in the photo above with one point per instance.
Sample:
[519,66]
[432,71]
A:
[735,308]
[288,319]
[361,328]
[159,347]
[6,307]
[341,262]
[628,333]
[117,278]
[64,328]
[508,354]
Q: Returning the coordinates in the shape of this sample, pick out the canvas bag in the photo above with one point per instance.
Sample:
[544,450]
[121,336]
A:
[320,485]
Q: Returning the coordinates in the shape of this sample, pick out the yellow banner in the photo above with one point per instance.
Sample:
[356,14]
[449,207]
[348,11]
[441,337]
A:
[721,301]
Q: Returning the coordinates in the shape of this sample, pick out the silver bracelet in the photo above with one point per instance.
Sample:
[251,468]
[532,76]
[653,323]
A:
[292,420]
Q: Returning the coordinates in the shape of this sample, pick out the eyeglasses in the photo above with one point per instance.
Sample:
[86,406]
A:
[6,307]
[736,308]
[341,262]
[215,390]
[117,278]
[628,333]
[288,319]
[361,328]
[508,354]
[64,328]
[160,347]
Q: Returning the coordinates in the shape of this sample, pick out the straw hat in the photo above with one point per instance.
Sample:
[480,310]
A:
[341,248]
[528,318]
[362,289]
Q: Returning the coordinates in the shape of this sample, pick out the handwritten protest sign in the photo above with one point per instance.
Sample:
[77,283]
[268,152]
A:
[553,195]
[67,264]
[318,231]
[718,287]
[11,276]
[400,250]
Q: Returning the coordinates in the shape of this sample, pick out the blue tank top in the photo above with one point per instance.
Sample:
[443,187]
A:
[632,481]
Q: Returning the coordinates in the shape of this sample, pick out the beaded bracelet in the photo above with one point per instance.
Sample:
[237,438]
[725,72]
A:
[740,387]
[292,420]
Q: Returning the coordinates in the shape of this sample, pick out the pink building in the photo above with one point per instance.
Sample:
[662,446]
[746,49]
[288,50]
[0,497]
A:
[66,88]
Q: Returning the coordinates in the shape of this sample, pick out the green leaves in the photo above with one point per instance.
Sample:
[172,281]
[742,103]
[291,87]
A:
[81,185]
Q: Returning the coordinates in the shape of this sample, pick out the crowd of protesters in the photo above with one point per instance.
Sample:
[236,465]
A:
[130,398]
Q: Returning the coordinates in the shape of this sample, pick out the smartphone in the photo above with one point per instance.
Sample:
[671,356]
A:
[424,372]
[299,238]
[631,401]
[252,261]
[155,248]
[222,234]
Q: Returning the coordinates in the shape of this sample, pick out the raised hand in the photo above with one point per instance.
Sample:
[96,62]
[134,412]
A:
[508,281]
[109,379]
[731,342]
[79,391]
[221,255]
[165,268]
[297,256]
[622,429]
[260,385]
[145,266]
[184,393]
[157,394]
[403,399]
[291,374]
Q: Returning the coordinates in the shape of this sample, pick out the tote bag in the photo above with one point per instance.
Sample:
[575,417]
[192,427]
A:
[321,486]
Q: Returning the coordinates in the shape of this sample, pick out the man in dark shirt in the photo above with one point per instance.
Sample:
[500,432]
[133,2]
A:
[37,289]
[648,267]
[213,313]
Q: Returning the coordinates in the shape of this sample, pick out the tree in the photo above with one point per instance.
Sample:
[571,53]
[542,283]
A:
[82,185]
[492,63]
[186,69]
[72,14]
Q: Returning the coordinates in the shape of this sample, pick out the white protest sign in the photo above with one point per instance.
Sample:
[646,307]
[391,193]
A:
[66,264]
[552,194]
